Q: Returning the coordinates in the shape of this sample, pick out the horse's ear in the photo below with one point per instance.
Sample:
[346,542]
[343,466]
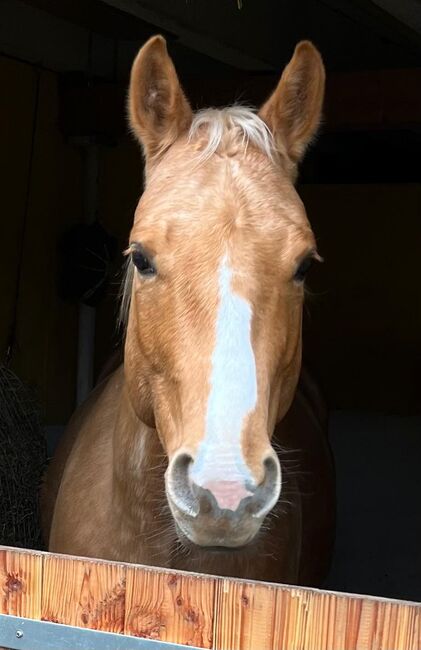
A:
[158,109]
[293,111]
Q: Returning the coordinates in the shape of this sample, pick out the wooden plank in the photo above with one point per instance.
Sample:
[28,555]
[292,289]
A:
[84,593]
[267,617]
[20,583]
[245,615]
[201,611]
[170,606]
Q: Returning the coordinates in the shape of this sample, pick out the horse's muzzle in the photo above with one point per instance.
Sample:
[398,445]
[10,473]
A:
[220,513]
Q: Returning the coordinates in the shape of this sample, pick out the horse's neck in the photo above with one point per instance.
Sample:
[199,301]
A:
[139,502]
[139,461]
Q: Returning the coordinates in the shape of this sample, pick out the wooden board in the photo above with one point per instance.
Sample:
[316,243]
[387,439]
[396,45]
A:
[91,594]
[170,607]
[245,614]
[20,583]
[201,611]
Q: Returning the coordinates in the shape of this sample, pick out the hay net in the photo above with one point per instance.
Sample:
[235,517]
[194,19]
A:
[23,457]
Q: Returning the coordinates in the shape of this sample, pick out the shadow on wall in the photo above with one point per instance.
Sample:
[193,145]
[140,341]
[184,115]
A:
[377,549]
[363,320]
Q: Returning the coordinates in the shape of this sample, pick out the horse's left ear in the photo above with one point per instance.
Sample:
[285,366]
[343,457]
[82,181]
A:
[293,111]
[158,110]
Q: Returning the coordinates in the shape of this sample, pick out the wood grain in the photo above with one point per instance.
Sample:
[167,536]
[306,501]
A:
[267,617]
[245,615]
[201,611]
[84,593]
[170,607]
[310,620]
[20,583]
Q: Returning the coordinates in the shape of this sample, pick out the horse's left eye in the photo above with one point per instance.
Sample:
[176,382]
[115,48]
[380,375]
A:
[143,263]
[303,269]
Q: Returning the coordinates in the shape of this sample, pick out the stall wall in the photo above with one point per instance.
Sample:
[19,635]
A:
[363,312]
[41,197]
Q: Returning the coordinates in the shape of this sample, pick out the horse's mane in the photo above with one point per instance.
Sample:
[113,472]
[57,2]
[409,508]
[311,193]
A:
[214,125]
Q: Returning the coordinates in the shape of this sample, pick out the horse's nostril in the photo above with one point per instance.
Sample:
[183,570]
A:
[178,486]
[273,470]
[268,492]
[206,505]
[180,466]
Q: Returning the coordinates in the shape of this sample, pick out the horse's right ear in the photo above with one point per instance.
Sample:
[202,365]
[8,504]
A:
[158,110]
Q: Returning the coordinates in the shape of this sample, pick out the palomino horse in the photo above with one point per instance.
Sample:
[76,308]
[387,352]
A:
[181,457]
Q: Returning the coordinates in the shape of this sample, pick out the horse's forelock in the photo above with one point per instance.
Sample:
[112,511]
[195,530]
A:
[218,123]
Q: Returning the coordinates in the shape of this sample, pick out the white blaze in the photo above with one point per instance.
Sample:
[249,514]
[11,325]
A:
[233,394]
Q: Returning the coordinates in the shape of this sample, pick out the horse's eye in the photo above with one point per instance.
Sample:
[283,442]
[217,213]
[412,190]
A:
[303,269]
[142,262]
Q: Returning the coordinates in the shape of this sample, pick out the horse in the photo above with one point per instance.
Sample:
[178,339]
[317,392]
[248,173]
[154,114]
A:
[206,449]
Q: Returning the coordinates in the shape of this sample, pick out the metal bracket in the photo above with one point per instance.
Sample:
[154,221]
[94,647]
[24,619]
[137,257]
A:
[26,634]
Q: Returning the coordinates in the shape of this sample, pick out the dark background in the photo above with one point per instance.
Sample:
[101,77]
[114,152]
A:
[64,70]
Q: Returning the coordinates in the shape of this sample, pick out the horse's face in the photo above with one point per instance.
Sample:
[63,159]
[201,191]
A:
[219,249]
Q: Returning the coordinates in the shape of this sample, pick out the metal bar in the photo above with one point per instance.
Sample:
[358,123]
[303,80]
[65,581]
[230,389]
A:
[25,634]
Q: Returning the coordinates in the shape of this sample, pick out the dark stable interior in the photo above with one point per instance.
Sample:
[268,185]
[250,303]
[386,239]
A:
[64,70]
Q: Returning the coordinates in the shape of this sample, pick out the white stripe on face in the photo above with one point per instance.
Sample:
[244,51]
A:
[233,392]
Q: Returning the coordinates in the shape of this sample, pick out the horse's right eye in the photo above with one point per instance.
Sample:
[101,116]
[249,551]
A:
[142,262]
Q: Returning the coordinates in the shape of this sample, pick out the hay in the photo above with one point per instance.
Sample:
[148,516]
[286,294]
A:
[23,457]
